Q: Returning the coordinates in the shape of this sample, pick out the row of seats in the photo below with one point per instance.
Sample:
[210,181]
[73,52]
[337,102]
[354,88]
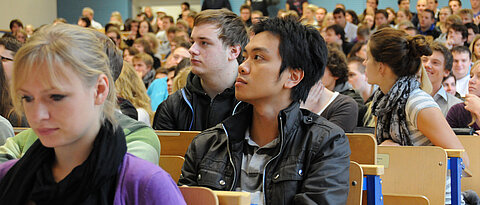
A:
[409,175]
[378,174]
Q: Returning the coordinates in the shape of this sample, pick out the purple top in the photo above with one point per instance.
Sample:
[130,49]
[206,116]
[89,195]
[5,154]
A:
[459,117]
[139,182]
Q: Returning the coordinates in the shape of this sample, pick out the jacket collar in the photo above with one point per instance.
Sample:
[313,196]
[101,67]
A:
[194,85]
[236,125]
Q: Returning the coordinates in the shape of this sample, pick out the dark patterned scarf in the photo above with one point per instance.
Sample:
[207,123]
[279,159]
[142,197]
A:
[92,182]
[390,111]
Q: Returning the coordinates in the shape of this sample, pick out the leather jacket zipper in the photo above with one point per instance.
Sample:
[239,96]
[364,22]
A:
[231,160]
[265,168]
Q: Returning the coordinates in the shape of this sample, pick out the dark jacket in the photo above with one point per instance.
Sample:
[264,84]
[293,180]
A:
[347,89]
[216,4]
[192,109]
[311,165]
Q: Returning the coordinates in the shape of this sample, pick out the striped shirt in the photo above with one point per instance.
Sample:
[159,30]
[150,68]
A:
[417,101]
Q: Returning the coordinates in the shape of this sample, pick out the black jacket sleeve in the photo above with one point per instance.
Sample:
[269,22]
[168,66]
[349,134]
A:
[164,118]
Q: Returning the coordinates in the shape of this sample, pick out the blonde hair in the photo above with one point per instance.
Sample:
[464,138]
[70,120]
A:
[474,117]
[180,79]
[130,86]
[472,49]
[62,50]
[325,20]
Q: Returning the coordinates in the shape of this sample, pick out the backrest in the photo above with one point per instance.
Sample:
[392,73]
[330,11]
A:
[417,170]
[17,130]
[407,199]
[172,165]
[198,196]
[233,197]
[472,147]
[356,184]
[175,142]
[363,147]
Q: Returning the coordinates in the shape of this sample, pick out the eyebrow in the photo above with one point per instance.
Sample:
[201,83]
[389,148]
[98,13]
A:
[201,38]
[43,91]
[257,49]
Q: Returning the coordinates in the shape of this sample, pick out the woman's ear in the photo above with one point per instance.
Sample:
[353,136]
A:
[101,89]
[294,77]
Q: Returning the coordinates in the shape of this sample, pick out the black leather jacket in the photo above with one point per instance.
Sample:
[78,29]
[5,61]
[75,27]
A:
[311,165]
[192,109]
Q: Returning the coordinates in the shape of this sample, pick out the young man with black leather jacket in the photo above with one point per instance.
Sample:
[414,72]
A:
[271,148]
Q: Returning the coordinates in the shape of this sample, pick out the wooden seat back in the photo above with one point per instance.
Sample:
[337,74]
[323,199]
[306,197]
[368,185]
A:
[405,199]
[175,142]
[417,170]
[233,197]
[472,147]
[172,165]
[17,130]
[355,184]
[198,196]
[363,147]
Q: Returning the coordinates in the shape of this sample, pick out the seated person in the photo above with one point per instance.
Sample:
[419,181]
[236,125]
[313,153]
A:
[358,79]
[449,84]
[336,79]
[335,34]
[141,139]
[130,87]
[333,106]
[6,130]
[208,97]
[143,63]
[406,115]
[462,61]
[467,114]
[278,152]
[457,35]
[64,87]
[439,65]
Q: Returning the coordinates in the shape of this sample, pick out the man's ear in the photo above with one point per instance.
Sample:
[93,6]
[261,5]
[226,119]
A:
[294,77]
[101,89]
[445,73]
[234,52]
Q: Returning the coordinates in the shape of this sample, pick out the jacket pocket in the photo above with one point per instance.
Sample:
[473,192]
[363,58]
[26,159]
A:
[211,179]
[289,172]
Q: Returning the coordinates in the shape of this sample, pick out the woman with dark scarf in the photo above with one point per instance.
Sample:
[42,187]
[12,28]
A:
[406,115]
[63,85]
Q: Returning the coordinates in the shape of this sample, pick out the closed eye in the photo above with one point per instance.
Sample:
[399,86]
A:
[56,97]
[27,98]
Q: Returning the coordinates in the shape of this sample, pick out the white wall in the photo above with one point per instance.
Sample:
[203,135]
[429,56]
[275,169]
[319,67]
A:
[35,12]
[172,7]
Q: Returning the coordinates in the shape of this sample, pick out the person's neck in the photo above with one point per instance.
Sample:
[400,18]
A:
[425,29]
[215,84]
[265,125]
[387,84]
[435,88]
[68,157]
[339,42]
[475,10]
[366,92]
[325,98]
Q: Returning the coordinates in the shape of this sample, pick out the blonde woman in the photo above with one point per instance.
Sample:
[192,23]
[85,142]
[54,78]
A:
[63,85]
[475,48]
[131,87]
[308,17]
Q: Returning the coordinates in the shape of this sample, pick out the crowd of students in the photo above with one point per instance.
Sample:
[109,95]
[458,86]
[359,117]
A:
[273,96]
